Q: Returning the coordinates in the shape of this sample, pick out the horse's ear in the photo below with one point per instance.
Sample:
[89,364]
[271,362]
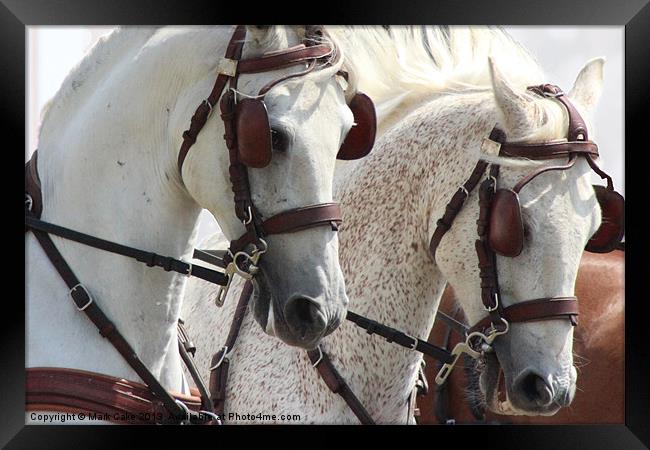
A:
[589,84]
[258,33]
[517,111]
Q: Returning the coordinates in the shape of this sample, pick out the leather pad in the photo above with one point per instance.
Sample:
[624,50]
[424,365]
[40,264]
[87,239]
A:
[506,232]
[361,137]
[612,227]
[253,133]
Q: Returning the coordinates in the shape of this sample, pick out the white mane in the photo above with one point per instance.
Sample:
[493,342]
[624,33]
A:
[431,60]
[404,66]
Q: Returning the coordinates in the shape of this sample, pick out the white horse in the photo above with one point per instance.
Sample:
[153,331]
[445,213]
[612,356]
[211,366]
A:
[108,152]
[451,99]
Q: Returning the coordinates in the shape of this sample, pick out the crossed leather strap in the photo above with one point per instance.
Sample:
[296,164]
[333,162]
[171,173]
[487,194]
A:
[220,364]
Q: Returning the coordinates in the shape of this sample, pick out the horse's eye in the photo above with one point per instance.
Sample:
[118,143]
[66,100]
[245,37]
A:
[279,140]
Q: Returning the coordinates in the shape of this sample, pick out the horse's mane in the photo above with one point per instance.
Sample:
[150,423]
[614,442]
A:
[412,61]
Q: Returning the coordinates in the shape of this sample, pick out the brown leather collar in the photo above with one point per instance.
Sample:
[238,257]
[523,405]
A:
[101,396]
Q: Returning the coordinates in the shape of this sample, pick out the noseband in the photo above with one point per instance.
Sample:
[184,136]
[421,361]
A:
[500,228]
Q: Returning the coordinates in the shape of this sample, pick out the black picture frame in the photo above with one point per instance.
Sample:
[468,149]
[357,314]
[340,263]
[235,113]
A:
[16,15]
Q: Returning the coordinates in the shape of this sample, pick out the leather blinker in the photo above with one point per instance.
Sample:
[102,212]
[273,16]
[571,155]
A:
[612,227]
[361,137]
[253,133]
[506,232]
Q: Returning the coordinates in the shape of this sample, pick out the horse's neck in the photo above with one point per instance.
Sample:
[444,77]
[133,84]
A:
[107,173]
[390,276]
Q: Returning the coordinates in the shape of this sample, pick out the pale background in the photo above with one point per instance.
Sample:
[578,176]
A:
[561,51]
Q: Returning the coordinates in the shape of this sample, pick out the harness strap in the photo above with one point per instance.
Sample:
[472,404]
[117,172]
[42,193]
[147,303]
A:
[537,309]
[458,200]
[84,302]
[337,384]
[399,337]
[200,117]
[150,259]
[185,348]
[221,361]
[109,398]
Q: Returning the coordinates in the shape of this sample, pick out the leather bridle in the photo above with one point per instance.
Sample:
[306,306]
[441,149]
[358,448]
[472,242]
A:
[499,214]
[55,389]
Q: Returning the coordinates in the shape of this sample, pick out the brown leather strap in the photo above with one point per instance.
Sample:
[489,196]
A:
[458,200]
[549,150]
[337,384]
[291,221]
[455,205]
[107,329]
[305,217]
[33,186]
[537,309]
[528,178]
[110,398]
[200,117]
[577,126]
[284,58]
[185,348]
[220,361]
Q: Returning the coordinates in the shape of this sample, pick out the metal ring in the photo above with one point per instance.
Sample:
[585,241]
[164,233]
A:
[207,102]
[29,201]
[464,189]
[211,414]
[187,411]
[189,270]
[250,216]
[320,357]
[496,304]
[224,349]
[415,341]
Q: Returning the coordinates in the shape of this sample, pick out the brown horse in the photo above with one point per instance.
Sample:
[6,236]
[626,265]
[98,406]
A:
[599,348]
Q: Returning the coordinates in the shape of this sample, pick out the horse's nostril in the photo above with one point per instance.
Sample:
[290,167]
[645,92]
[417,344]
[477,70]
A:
[537,390]
[304,317]
[304,310]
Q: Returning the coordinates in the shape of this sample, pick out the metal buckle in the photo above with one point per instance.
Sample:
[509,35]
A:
[207,102]
[211,414]
[415,341]
[187,420]
[320,357]
[466,347]
[90,298]
[496,304]
[490,147]
[493,331]
[250,217]
[224,354]
[29,202]
[232,268]
[227,67]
